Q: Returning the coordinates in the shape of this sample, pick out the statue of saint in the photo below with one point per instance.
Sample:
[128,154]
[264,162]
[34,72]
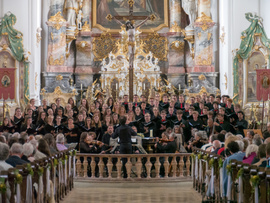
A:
[79,20]
[71,6]
[191,9]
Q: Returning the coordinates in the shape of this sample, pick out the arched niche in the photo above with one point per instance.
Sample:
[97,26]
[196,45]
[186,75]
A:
[254,62]
[7,60]
[258,59]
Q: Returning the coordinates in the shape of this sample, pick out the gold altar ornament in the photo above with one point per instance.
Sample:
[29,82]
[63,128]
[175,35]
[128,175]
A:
[226,80]
[4,47]
[157,44]
[59,77]
[205,20]
[86,27]
[153,17]
[56,62]
[177,45]
[204,62]
[103,45]
[84,46]
[109,17]
[175,27]
[202,77]
[130,2]
[222,36]
[58,19]
[199,35]
[209,36]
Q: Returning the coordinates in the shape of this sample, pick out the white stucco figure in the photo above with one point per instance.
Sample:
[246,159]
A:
[79,20]
[191,9]
[71,6]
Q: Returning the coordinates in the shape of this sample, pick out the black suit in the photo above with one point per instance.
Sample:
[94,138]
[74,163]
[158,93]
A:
[15,160]
[124,132]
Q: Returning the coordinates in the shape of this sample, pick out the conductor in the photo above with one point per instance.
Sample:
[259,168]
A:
[124,132]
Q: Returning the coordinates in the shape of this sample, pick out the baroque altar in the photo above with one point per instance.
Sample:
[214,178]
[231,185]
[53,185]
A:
[179,44]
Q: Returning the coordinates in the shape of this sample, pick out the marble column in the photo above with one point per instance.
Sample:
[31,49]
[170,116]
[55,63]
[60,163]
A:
[204,6]
[56,6]
[176,70]
[85,69]
[204,57]
[56,56]
[87,15]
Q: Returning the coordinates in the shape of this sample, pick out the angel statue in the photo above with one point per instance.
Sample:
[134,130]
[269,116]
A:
[165,87]
[191,9]
[97,90]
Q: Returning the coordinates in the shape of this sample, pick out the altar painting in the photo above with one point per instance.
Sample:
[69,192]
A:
[256,61]
[101,8]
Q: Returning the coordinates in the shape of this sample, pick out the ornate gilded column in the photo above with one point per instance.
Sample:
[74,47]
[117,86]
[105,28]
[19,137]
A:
[84,70]
[176,71]
[56,55]
[204,56]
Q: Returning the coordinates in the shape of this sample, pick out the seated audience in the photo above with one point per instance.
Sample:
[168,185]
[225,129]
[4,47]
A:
[28,151]
[60,141]
[4,153]
[16,152]
[233,153]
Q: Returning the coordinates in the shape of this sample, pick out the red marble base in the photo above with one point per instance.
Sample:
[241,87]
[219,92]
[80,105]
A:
[86,69]
[59,69]
[199,69]
[176,69]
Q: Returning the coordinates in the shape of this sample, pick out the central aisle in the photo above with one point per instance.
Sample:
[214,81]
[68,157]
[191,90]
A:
[178,192]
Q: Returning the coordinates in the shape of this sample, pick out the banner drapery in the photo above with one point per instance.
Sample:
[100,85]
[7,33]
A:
[7,83]
[263,84]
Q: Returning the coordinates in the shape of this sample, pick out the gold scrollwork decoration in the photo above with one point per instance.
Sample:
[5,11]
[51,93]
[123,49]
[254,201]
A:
[59,77]
[175,27]
[86,27]
[103,45]
[204,62]
[58,91]
[202,77]
[157,44]
[84,46]
[56,62]
[204,21]
[58,20]
[177,45]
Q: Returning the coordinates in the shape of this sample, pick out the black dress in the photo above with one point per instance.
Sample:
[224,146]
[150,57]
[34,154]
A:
[17,122]
[74,137]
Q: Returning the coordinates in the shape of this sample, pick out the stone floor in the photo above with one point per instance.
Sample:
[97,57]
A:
[178,192]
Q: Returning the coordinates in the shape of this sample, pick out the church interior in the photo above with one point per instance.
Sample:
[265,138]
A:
[189,79]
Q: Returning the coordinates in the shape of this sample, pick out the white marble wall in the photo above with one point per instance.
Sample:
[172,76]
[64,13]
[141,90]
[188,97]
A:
[28,13]
[232,18]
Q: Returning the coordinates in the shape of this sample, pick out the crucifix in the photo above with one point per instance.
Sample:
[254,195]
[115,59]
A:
[131,29]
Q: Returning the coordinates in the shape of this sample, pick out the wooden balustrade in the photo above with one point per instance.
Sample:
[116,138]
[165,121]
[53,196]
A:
[255,181]
[138,166]
[45,179]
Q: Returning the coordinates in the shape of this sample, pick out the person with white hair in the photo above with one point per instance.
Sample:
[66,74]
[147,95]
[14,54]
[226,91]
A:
[28,151]
[251,153]
[16,152]
[216,146]
[241,145]
[60,141]
[4,153]
[17,135]
[37,154]
[257,140]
